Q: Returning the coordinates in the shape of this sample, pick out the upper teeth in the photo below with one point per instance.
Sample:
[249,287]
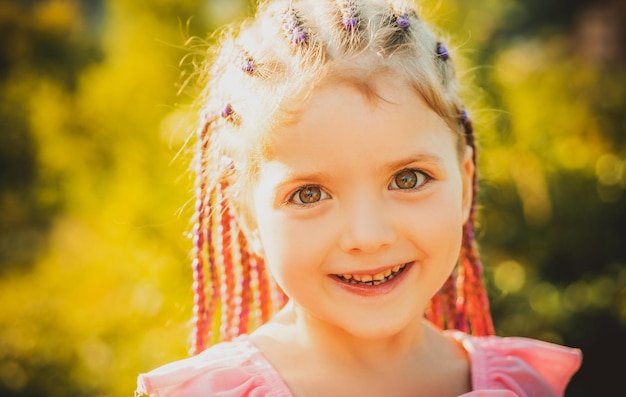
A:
[372,278]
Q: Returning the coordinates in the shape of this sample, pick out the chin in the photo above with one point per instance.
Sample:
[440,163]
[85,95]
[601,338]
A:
[379,329]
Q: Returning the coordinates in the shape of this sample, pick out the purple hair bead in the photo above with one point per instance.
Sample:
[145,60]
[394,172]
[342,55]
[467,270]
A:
[351,23]
[403,21]
[248,65]
[442,51]
[298,36]
[228,111]
[464,115]
[293,29]
[350,17]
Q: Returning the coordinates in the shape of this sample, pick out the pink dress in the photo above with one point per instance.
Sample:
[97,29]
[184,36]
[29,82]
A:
[500,367]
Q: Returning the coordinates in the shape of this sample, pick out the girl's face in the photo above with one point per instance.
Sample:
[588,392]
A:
[360,206]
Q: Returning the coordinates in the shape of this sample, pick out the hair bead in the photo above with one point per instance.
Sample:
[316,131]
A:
[229,114]
[399,17]
[464,115]
[227,111]
[248,65]
[403,21]
[349,15]
[442,51]
[292,25]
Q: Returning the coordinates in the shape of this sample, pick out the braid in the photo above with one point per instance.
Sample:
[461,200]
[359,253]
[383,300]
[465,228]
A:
[461,299]
[476,298]
[265,293]
[246,282]
[401,19]
[350,19]
[255,290]
[210,230]
[227,273]
[448,302]
[199,242]
[348,25]
[294,29]
[434,312]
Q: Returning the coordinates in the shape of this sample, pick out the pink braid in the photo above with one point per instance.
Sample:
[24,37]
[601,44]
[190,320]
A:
[478,310]
[234,251]
[265,298]
[255,290]
[213,331]
[227,280]
[433,311]
[246,293]
[461,299]
[199,240]
[448,300]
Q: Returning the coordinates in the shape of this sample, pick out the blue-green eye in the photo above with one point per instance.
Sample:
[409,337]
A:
[408,179]
[308,195]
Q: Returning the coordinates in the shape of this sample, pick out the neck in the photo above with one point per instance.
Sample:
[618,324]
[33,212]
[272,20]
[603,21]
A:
[336,344]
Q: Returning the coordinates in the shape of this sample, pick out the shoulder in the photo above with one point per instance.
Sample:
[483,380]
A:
[524,366]
[227,369]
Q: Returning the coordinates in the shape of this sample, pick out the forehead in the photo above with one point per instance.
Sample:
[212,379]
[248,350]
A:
[340,113]
[339,109]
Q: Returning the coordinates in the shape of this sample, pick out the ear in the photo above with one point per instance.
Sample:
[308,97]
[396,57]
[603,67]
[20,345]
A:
[467,176]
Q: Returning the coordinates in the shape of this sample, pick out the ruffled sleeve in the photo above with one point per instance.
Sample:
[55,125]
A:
[521,366]
[229,369]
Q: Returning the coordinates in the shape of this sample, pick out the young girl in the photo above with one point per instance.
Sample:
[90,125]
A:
[334,244]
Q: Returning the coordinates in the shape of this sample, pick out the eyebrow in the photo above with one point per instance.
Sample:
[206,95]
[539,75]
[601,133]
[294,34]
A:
[428,158]
[311,178]
[318,177]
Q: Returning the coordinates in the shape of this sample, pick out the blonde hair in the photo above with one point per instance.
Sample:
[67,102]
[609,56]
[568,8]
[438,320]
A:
[258,79]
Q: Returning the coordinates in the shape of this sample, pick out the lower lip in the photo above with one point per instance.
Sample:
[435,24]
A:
[374,290]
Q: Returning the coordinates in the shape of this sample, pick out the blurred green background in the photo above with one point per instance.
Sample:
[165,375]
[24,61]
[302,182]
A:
[95,186]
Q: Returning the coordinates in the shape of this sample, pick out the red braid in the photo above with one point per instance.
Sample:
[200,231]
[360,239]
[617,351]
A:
[462,303]
[246,277]
[476,300]
[199,242]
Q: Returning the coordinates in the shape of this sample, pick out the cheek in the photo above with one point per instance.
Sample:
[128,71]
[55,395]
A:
[292,243]
[438,225]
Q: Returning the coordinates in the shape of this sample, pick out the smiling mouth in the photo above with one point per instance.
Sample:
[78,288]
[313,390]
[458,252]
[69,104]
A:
[372,279]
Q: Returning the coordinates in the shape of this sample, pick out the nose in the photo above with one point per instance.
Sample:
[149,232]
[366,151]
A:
[367,226]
